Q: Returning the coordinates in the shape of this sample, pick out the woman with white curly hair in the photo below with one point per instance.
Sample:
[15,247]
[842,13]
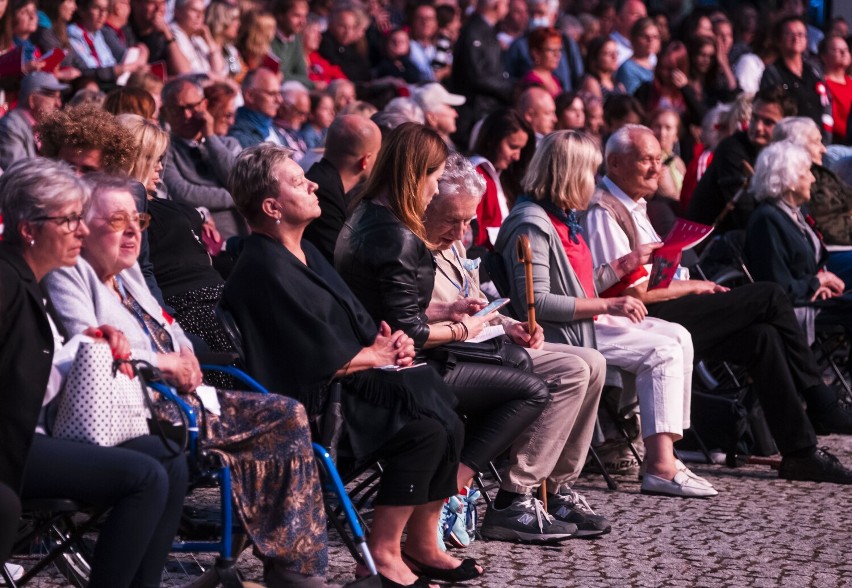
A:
[781,244]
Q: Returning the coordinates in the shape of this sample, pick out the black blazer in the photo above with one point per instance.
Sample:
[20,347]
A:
[777,251]
[26,353]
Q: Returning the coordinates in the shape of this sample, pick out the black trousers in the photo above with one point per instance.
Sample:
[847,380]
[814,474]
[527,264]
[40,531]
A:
[499,402]
[140,480]
[10,512]
[754,326]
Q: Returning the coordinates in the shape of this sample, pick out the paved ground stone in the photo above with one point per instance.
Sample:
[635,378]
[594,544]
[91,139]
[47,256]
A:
[759,532]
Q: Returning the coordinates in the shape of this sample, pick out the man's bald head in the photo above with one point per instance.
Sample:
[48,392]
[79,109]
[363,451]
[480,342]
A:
[536,106]
[352,143]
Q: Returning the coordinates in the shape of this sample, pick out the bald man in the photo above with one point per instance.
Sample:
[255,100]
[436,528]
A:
[262,97]
[351,148]
[536,106]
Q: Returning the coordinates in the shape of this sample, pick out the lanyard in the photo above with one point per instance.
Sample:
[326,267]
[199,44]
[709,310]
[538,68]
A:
[464,287]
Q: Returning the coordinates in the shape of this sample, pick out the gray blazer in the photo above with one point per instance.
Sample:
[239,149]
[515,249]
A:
[555,284]
[187,183]
[82,301]
[16,138]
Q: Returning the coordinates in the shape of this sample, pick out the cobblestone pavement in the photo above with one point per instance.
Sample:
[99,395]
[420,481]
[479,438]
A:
[759,531]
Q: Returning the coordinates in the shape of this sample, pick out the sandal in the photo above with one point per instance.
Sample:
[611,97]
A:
[466,571]
[388,583]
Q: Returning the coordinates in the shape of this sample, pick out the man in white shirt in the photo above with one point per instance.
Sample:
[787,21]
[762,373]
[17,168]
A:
[752,325]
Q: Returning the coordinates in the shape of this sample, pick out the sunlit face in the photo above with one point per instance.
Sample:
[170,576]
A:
[542,119]
[113,244]
[443,119]
[637,172]
[801,192]
[448,218]
[764,117]
[25,21]
[430,186]
[510,150]
[573,118]
[154,178]
[665,127]
[55,246]
[296,201]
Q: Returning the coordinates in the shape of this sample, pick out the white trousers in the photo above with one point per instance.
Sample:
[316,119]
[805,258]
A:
[660,355]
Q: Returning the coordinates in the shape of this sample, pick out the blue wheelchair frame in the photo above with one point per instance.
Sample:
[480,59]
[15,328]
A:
[222,474]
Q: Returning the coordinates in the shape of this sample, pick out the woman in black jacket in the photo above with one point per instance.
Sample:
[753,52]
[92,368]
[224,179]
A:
[383,256]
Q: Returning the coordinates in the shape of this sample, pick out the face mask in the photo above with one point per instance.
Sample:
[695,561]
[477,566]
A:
[538,22]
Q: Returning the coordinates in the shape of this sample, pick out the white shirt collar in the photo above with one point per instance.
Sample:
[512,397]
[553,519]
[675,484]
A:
[622,195]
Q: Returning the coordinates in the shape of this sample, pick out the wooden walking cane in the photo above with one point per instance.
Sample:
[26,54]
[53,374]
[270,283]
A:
[525,257]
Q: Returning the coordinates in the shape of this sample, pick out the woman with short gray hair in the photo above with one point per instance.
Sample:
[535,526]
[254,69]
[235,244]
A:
[781,243]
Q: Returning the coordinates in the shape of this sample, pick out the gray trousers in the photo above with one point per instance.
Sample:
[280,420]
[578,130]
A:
[555,446]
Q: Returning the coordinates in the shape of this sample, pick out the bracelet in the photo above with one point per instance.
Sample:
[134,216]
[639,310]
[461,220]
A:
[466,332]
[453,335]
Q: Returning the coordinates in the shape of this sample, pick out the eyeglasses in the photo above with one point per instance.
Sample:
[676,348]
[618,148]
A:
[71,222]
[118,221]
[191,107]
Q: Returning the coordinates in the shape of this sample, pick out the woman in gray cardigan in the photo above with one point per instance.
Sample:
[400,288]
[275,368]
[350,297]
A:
[559,180]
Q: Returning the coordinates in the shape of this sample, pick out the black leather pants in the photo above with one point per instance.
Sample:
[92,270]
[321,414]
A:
[499,403]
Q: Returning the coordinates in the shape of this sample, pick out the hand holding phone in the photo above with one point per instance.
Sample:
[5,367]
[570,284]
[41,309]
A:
[495,305]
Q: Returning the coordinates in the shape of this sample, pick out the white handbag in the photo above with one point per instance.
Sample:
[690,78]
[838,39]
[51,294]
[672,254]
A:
[98,404]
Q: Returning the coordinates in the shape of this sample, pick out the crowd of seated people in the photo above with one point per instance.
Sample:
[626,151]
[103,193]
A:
[333,173]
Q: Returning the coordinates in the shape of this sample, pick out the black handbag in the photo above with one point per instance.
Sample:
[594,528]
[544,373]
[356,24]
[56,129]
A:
[496,351]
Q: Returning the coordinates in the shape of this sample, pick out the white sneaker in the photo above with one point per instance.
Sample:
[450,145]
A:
[13,570]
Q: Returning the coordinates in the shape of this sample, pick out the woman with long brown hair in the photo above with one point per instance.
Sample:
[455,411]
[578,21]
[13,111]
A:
[383,254]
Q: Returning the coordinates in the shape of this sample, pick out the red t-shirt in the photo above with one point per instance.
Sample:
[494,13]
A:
[841,102]
[579,256]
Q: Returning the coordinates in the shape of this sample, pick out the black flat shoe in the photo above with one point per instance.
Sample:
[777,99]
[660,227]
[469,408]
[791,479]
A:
[388,583]
[466,571]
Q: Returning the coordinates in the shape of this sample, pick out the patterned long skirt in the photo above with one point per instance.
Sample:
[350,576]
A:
[266,441]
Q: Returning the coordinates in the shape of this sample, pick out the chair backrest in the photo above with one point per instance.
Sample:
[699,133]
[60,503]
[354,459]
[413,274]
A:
[229,325]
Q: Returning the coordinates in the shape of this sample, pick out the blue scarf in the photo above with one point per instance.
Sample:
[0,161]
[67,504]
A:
[569,219]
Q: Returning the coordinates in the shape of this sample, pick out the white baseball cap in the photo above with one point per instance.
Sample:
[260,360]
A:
[435,93]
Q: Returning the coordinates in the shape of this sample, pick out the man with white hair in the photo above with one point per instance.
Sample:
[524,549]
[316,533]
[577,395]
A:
[292,114]
[439,109]
[752,325]
[536,106]
[543,13]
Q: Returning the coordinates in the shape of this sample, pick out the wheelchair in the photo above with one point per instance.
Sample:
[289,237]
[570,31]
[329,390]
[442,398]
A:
[58,532]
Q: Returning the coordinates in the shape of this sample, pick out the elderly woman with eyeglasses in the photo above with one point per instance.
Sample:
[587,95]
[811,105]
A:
[264,439]
[141,482]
